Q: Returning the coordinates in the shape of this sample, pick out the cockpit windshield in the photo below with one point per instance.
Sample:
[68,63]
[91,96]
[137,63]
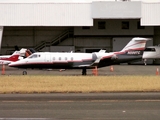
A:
[150,49]
[34,56]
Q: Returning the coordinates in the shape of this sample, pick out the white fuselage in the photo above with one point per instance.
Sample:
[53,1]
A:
[152,52]
[4,62]
[60,60]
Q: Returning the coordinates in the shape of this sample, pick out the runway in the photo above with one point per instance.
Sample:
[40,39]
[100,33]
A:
[96,106]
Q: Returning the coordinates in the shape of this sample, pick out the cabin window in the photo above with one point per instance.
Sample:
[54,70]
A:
[150,49]
[59,58]
[53,58]
[72,58]
[101,25]
[65,58]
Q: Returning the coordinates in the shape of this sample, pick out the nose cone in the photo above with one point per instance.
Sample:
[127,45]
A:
[145,55]
[12,64]
[149,55]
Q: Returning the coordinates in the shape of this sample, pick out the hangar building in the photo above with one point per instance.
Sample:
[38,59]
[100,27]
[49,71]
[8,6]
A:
[76,25]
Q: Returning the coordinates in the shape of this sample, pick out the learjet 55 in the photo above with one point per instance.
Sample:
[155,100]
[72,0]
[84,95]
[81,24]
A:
[60,60]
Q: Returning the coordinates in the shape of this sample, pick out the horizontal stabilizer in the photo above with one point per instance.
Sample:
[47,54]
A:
[95,63]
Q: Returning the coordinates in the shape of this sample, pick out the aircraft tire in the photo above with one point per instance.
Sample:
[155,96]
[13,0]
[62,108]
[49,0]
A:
[84,71]
[24,72]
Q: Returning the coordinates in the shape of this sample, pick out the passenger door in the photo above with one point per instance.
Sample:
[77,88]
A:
[47,58]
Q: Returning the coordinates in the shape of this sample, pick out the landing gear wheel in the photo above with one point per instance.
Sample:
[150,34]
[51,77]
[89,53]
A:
[145,61]
[84,71]
[24,72]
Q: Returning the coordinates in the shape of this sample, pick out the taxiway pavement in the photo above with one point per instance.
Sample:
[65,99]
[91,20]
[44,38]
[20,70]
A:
[106,106]
[117,70]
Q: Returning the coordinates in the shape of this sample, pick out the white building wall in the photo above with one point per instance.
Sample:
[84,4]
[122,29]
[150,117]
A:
[45,14]
[150,14]
[118,10]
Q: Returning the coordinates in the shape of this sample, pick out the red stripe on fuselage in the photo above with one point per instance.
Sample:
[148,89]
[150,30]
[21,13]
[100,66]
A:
[122,52]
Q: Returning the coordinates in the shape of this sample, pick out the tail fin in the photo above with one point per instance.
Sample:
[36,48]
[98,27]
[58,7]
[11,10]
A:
[14,57]
[136,43]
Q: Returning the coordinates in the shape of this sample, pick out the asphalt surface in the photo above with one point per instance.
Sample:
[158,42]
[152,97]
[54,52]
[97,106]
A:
[117,70]
[106,106]
[100,106]
[80,96]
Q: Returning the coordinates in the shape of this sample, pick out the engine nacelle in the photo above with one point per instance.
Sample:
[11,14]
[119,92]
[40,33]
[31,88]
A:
[94,56]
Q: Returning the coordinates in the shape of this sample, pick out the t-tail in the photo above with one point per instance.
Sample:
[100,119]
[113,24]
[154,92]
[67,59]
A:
[136,44]
[14,57]
[133,51]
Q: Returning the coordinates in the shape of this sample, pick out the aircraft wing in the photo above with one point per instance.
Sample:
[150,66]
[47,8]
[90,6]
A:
[87,65]
[95,63]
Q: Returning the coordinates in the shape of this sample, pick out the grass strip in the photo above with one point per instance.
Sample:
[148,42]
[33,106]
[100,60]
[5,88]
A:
[78,84]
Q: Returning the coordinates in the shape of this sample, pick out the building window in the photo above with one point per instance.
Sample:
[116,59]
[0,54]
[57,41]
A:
[101,25]
[125,25]
[139,26]
[85,28]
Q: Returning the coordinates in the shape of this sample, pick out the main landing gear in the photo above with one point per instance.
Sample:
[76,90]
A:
[94,71]
[84,71]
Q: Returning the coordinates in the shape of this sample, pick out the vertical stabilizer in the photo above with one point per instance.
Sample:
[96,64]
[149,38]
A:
[136,43]
[14,57]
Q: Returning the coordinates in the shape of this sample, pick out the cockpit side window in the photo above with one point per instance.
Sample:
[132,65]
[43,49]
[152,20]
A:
[150,49]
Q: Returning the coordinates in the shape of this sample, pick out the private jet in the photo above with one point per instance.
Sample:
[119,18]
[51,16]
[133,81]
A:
[60,60]
[151,52]
[6,59]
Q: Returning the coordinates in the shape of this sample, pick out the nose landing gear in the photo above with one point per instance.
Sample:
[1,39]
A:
[24,72]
